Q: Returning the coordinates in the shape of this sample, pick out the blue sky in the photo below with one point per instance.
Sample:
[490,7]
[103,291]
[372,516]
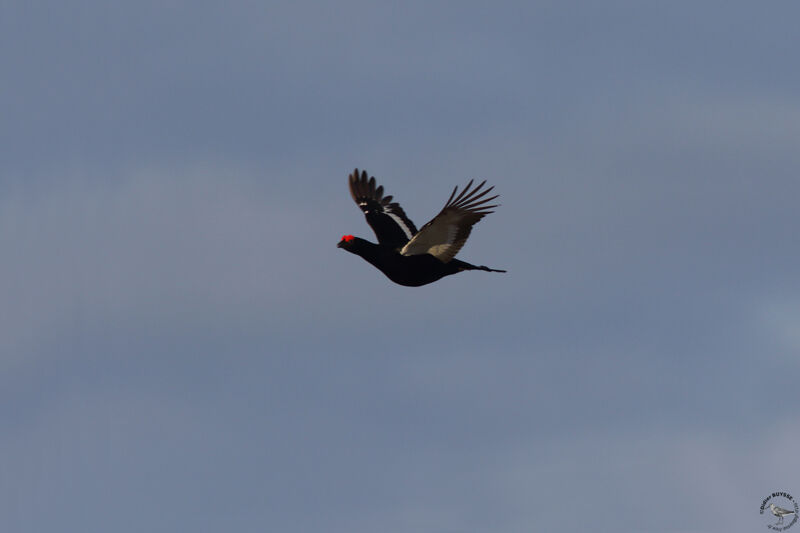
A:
[183,348]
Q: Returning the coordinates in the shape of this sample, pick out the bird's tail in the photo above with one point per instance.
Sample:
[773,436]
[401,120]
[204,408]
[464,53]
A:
[463,265]
[487,269]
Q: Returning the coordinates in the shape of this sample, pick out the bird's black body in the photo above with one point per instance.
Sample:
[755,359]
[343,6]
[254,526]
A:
[408,270]
[407,256]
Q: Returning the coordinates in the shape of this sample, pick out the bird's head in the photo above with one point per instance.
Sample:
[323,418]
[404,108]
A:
[347,242]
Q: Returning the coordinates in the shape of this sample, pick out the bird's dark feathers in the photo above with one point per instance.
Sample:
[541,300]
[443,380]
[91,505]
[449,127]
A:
[387,218]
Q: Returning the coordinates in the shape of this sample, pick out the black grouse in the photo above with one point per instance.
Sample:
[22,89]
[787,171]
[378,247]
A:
[407,256]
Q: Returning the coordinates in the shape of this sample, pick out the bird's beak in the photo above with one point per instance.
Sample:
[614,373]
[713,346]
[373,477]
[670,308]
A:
[340,244]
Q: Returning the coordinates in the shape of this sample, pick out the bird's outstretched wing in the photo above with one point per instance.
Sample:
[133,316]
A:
[387,218]
[444,236]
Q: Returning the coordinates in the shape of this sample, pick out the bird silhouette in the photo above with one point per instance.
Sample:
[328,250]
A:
[407,256]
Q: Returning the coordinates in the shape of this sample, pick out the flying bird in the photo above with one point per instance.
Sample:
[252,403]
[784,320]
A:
[780,512]
[407,256]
